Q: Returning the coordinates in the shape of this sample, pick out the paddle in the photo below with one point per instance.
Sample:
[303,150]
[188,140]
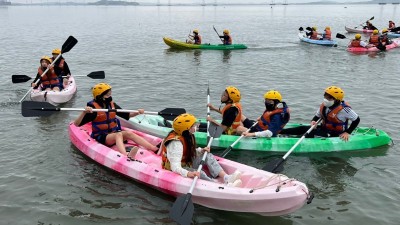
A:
[183,208]
[25,78]
[66,47]
[372,18]
[379,46]
[208,110]
[276,166]
[227,150]
[341,36]
[32,109]
[218,34]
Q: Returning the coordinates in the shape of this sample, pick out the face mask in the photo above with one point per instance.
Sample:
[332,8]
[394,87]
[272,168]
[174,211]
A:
[108,100]
[269,106]
[328,103]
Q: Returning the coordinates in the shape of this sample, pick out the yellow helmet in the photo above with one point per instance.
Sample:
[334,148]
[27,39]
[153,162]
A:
[226,31]
[183,122]
[327,28]
[45,58]
[99,89]
[56,51]
[358,36]
[375,32]
[335,92]
[314,28]
[384,30]
[196,31]
[233,93]
[273,95]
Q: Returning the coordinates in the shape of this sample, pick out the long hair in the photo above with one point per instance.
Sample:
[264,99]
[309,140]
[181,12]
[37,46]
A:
[191,145]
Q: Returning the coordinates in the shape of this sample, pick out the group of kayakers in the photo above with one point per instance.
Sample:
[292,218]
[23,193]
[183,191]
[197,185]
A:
[195,38]
[375,40]
[179,151]
[313,34]
[56,77]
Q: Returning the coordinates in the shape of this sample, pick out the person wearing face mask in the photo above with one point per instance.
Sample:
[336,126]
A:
[61,67]
[335,114]
[272,121]
[48,81]
[180,155]
[231,113]
[106,128]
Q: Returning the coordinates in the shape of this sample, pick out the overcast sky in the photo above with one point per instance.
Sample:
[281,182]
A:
[187,1]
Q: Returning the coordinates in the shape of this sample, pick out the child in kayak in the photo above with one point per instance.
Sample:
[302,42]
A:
[226,37]
[180,155]
[335,114]
[48,81]
[61,67]
[195,38]
[106,128]
[231,113]
[272,121]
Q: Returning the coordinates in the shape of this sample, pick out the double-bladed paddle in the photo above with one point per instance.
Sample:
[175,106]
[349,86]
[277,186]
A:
[372,18]
[66,47]
[227,150]
[276,166]
[183,208]
[34,109]
[218,34]
[25,78]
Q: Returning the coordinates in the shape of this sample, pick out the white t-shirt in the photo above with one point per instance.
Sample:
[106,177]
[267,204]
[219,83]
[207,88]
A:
[343,115]
[174,155]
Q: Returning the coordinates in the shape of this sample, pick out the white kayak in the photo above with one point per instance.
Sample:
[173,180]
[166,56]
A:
[55,97]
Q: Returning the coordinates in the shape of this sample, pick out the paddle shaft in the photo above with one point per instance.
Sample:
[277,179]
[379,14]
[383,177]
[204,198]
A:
[208,109]
[97,110]
[237,140]
[301,139]
[37,81]
[218,35]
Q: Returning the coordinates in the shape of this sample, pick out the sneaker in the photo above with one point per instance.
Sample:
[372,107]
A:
[236,183]
[234,176]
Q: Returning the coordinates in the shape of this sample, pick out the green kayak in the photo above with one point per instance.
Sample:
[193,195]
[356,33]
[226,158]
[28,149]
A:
[361,138]
[183,45]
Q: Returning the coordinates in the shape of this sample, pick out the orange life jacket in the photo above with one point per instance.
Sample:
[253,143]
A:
[50,79]
[330,121]
[374,39]
[105,122]
[227,39]
[197,40]
[232,129]
[165,162]
[314,35]
[355,43]
[265,120]
[328,35]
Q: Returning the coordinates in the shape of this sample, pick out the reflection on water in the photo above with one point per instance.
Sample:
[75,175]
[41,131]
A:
[227,56]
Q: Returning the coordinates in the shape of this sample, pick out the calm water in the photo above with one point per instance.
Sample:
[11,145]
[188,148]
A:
[45,180]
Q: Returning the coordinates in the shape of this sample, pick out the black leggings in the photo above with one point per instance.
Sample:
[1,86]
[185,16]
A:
[301,130]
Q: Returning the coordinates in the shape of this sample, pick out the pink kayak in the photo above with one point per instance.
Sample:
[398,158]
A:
[395,44]
[357,30]
[261,192]
[54,97]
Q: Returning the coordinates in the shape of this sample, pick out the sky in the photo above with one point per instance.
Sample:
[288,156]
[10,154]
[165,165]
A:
[188,1]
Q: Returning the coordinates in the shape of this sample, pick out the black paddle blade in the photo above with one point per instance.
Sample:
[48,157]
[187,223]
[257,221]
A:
[20,78]
[171,113]
[372,18]
[275,166]
[68,44]
[97,75]
[182,210]
[340,36]
[34,109]
[301,29]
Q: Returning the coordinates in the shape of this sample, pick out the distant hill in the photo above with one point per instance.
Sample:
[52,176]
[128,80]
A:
[106,2]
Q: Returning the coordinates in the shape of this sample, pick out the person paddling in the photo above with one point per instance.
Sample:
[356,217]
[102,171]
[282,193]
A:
[327,34]
[357,42]
[106,128]
[61,67]
[369,26]
[180,155]
[374,38]
[226,37]
[335,114]
[48,81]
[195,38]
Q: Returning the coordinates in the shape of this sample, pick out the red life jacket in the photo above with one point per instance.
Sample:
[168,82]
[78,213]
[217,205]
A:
[314,35]
[374,39]
[105,122]
[355,43]
[331,122]
[50,79]
[265,119]
[232,129]
[197,40]
[328,35]
[165,162]
[227,39]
